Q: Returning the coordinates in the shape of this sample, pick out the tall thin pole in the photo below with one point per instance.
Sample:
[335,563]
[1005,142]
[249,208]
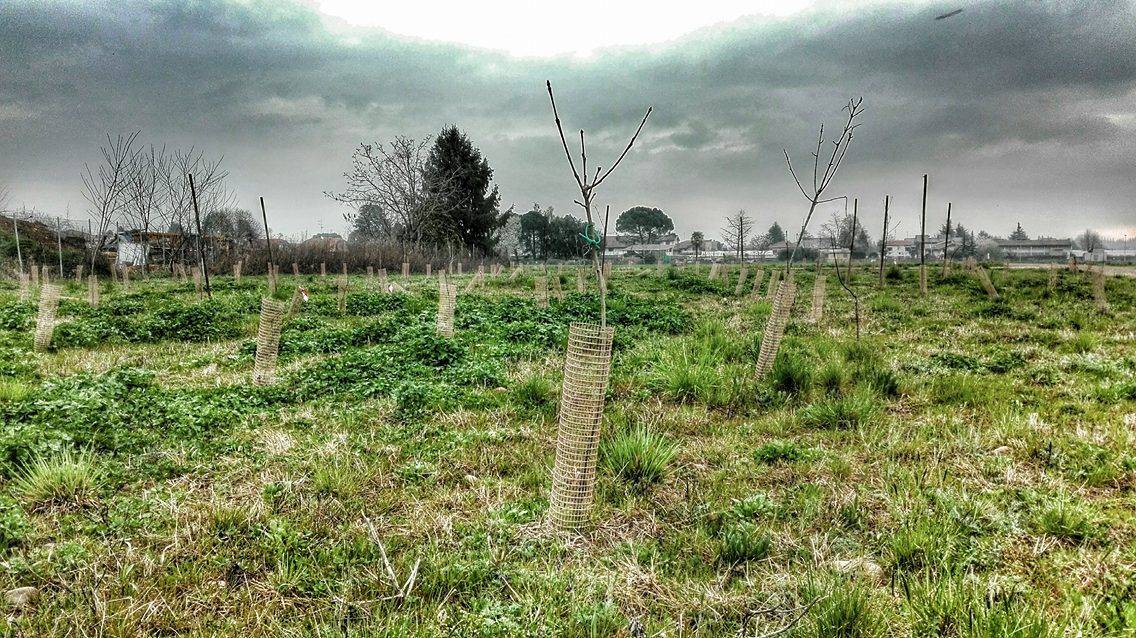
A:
[923,227]
[59,246]
[923,240]
[200,252]
[884,238]
[267,237]
[19,254]
[947,241]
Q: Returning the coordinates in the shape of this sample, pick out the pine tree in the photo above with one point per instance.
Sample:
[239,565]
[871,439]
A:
[459,178]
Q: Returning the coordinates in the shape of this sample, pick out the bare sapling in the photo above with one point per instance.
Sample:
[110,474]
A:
[587,364]
[823,178]
[588,185]
[846,280]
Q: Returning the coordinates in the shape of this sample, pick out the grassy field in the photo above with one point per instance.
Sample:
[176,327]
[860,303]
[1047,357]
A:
[967,468]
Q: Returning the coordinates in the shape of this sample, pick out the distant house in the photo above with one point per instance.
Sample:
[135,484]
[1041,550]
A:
[327,242]
[1041,248]
[899,249]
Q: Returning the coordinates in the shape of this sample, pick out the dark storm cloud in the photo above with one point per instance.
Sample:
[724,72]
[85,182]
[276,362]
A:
[1019,98]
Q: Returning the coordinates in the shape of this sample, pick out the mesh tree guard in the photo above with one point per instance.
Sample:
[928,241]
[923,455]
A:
[79,272]
[237,272]
[126,278]
[1072,264]
[429,269]
[1051,285]
[383,277]
[659,266]
[370,272]
[557,291]
[1099,296]
[406,269]
[447,299]
[817,311]
[771,289]
[197,282]
[323,269]
[516,273]
[297,301]
[45,320]
[273,279]
[474,282]
[970,264]
[33,270]
[738,289]
[607,270]
[540,291]
[775,325]
[922,280]
[713,272]
[586,370]
[93,290]
[987,285]
[461,268]
[342,294]
[580,283]
[25,286]
[267,341]
[758,275]
[45,278]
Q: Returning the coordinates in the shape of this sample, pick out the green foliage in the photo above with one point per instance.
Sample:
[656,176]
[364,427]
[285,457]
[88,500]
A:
[743,542]
[779,451]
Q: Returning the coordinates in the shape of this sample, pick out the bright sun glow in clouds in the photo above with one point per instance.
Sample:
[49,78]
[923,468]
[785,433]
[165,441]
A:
[534,28]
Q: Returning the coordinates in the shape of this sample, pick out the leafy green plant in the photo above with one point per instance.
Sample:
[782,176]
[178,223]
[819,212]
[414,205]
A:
[743,542]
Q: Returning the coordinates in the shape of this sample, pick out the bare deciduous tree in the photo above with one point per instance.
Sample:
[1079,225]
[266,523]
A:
[737,229]
[209,180]
[1090,240]
[822,178]
[144,195]
[105,187]
[588,185]
[390,180]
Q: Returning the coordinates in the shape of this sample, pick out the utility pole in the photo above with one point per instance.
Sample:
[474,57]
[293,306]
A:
[200,251]
[19,254]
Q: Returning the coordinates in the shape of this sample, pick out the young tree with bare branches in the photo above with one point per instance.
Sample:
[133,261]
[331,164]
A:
[588,185]
[144,195]
[738,227]
[822,178]
[105,187]
[209,180]
[391,181]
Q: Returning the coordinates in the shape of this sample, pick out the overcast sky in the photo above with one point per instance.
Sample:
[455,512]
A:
[1020,110]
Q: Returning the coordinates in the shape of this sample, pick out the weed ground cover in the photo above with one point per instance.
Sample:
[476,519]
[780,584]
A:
[967,468]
